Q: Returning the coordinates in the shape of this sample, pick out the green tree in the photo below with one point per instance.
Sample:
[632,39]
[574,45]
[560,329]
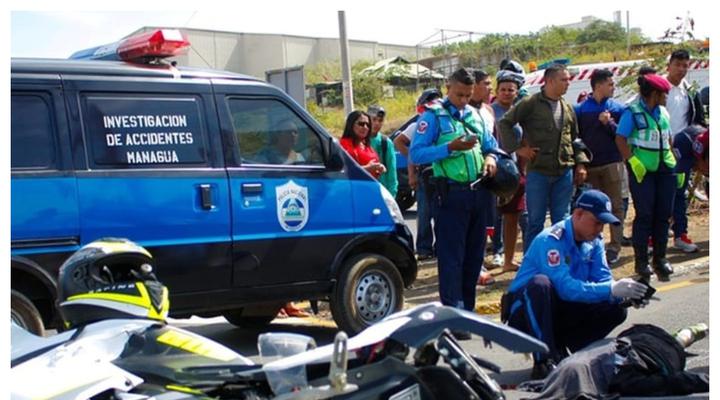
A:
[602,31]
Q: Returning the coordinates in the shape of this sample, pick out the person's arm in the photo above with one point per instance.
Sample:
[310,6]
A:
[552,262]
[699,117]
[392,179]
[402,141]
[423,149]
[505,125]
[624,129]
[600,271]
[510,142]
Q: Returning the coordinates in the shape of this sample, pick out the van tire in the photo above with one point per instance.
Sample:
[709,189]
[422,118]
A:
[368,289]
[24,313]
[258,318]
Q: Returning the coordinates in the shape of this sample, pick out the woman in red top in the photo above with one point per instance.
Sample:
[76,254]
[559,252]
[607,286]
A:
[356,141]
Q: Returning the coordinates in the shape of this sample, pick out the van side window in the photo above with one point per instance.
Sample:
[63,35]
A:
[144,131]
[31,143]
[268,132]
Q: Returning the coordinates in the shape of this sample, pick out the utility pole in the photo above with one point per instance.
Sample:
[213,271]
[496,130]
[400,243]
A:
[627,21]
[345,62]
[417,67]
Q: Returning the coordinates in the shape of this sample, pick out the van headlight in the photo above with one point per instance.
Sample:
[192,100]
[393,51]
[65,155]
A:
[392,205]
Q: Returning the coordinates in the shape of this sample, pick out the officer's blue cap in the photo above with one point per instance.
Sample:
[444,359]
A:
[599,204]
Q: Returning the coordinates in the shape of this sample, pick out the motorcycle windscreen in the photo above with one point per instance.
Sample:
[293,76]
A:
[427,322]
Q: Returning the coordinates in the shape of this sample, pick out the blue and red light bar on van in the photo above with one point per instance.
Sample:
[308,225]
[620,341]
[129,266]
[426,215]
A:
[160,43]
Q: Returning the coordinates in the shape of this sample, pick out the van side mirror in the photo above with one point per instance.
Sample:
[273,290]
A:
[334,161]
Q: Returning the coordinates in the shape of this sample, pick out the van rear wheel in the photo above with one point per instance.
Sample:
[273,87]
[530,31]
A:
[368,289]
[253,317]
[24,313]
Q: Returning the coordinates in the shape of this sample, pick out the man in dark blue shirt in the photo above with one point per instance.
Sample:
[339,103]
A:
[597,121]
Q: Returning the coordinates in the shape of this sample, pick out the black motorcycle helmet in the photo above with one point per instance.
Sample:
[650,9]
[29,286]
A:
[507,176]
[428,95]
[110,278]
[579,146]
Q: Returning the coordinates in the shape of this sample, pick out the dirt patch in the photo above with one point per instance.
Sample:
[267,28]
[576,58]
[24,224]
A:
[425,288]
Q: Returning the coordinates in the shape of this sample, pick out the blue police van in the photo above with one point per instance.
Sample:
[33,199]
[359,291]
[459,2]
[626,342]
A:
[243,199]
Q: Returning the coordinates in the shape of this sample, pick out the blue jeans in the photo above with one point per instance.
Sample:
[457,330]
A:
[424,240]
[543,192]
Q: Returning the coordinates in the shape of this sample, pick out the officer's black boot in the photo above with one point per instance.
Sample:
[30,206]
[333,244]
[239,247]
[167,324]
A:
[641,261]
[662,266]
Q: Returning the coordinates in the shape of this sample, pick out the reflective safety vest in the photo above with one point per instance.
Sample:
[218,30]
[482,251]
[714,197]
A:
[461,166]
[650,141]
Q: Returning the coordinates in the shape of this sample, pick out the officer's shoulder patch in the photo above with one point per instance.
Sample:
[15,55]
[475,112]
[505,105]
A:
[553,257]
[557,231]
[422,127]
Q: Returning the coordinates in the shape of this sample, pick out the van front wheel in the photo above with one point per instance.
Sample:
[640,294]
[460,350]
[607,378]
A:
[368,289]
[24,313]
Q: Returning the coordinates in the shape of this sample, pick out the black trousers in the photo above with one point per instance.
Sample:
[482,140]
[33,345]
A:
[562,325]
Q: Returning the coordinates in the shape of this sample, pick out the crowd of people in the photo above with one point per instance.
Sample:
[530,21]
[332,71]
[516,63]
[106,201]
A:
[578,163]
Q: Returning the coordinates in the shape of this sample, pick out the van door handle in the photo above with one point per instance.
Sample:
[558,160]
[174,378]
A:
[252,188]
[206,196]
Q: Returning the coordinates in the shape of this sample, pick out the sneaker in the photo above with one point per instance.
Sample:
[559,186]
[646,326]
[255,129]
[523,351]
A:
[691,334]
[685,244]
[541,369]
[698,194]
[612,257]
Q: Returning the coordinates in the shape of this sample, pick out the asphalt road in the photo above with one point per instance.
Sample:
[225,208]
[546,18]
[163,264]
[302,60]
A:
[682,302]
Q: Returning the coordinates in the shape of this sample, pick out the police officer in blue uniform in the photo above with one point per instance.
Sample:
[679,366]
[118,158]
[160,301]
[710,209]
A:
[450,136]
[564,293]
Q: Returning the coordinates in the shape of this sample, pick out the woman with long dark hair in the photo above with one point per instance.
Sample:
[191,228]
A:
[644,140]
[356,141]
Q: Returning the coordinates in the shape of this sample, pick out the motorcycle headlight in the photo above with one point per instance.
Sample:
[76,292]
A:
[392,206]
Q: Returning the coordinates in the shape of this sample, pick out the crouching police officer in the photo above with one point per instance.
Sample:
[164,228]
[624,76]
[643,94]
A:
[450,136]
[564,293]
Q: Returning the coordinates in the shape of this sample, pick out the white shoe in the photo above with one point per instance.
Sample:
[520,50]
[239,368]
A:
[498,259]
[700,195]
[685,244]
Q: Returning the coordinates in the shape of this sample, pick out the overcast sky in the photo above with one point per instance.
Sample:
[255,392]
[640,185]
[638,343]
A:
[41,33]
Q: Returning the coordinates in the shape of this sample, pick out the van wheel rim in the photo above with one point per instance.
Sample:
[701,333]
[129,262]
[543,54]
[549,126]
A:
[374,296]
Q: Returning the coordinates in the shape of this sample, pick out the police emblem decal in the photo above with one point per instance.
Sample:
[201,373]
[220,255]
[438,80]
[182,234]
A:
[553,258]
[293,208]
[422,127]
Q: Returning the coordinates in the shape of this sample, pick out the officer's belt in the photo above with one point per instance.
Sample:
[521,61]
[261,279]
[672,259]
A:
[458,186]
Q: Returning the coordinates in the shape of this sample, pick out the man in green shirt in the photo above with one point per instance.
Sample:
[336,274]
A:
[385,149]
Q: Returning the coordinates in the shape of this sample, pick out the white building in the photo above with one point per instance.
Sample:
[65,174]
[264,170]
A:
[255,53]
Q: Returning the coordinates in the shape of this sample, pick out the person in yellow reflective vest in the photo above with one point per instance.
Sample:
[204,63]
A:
[644,140]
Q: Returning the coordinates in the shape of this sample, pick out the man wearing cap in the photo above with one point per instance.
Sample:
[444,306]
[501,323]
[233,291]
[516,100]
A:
[643,138]
[564,293]
[385,149]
